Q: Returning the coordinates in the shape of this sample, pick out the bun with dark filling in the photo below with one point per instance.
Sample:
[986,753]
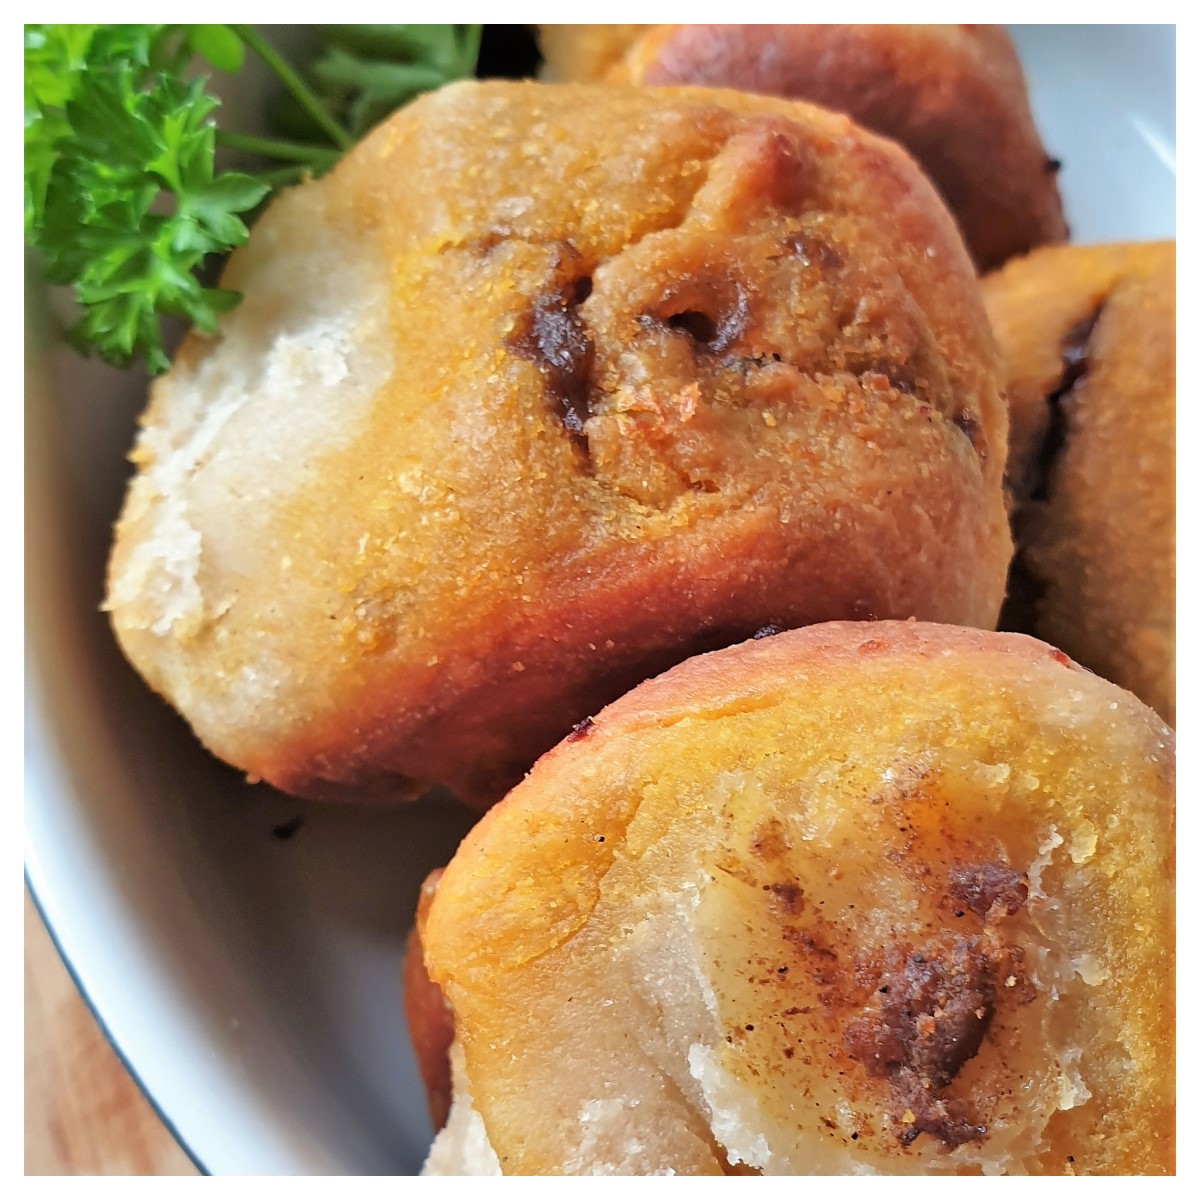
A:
[1088,336]
[860,898]
[540,391]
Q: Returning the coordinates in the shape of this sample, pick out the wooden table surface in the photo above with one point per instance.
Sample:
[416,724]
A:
[84,1115]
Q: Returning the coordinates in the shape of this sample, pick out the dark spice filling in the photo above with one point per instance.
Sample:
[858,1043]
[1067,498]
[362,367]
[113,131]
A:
[935,1003]
[1074,350]
[980,886]
[1025,589]
[716,327]
[554,337]
[580,731]
[932,1005]
[814,251]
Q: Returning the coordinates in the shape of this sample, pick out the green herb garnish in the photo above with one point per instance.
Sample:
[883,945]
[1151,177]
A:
[122,194]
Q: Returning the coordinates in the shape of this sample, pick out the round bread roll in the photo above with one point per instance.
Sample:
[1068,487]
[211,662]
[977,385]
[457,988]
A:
[540,391]
[1088,334]
[859,898]
[953,95]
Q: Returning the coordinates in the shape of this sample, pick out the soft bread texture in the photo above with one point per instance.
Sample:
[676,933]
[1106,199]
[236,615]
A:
[538,392]
[860,898]
[462,1146]
[953,95]
[1088,335]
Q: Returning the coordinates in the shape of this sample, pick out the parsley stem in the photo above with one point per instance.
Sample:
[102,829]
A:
[469,50]
[294,84]
[300,152]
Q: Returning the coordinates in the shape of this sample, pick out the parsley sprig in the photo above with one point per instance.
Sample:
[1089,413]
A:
[122,194]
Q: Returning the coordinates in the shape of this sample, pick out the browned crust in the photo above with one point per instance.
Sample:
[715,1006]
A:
[782,471]
[756,672]
[598,635]
[953,95]
[514,906]
[1088,334]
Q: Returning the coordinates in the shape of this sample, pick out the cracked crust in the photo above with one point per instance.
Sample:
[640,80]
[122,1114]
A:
[859,898]
[1088,334]
[618,375]
[952,95]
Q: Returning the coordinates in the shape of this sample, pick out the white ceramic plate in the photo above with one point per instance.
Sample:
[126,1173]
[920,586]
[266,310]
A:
[250,982]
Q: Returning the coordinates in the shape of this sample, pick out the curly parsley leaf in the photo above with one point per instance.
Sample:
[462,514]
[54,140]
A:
[218,45]
[54,58]
[121,191]
[366,72]
[131,205]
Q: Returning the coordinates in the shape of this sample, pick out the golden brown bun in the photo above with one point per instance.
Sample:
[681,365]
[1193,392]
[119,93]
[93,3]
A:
[953,95]
[540,391]
[880,897]
[1088,333]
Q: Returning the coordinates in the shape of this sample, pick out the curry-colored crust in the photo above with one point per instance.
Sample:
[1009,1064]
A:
[953,95]
[861,897]
[1088,333]
[542,390]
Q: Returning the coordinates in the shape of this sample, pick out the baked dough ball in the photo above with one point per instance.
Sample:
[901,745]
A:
[1088,333]
[953,95]
[857,898]
[539,392]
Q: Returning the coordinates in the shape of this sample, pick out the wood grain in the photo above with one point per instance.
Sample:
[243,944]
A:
[84,1115]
